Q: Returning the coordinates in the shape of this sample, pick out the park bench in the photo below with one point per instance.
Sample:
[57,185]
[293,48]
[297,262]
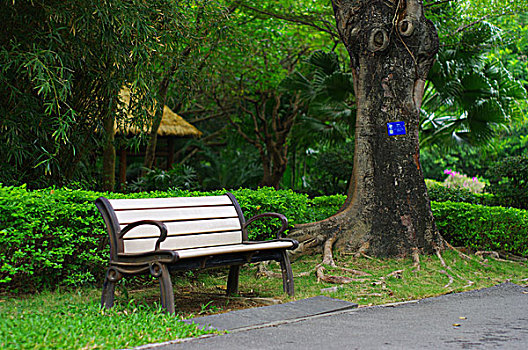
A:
[158,235]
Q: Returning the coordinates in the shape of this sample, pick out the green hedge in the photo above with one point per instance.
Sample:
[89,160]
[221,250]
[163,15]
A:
[483,228]
[49,237]
[439,193]
[56,237]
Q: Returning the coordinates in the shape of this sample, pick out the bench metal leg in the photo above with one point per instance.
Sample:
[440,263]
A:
[111,278]
[287,274]
[166,291]
[232,280]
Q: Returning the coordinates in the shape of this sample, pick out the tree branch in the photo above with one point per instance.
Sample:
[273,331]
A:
[436,3]
[293,19]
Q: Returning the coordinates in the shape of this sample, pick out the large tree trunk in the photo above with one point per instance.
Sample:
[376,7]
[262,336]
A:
[387,213]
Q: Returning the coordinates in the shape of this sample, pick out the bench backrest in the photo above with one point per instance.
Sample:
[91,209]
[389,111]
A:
[191,222]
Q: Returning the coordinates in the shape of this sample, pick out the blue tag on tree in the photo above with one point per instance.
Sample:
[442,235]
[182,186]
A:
[396,128]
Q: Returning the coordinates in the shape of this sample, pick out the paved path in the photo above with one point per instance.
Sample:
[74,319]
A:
[490,318]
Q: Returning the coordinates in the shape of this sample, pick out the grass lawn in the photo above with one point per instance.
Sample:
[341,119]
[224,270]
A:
[72,319]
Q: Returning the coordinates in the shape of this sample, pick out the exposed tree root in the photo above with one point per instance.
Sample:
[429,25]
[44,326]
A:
[328,258]
[470,283]
[499,256]
[439,255]
[305,273]
[334,279]
[448,268]
[366,256]
[395,274]
[487,253]
[512,257]
[451,279]
[416,259]
[442,261]
[306,245]
[362,251]
[462,255]
[262,270]
[354,272]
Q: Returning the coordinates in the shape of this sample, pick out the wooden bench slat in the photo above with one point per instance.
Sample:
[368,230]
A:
[192,213]
[236,248]
[186,227]
[147,203]
[183,242]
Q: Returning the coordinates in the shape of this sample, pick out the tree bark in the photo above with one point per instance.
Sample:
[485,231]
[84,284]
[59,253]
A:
[387,212]
[274,167]
[109,153]
[275,138]
[122,167]
[273,117]
[150,152]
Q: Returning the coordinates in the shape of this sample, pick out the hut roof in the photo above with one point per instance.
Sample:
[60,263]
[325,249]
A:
[171,123]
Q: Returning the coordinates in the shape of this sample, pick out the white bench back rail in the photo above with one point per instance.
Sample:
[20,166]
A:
[192,222]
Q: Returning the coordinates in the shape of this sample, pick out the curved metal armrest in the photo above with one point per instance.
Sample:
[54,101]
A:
[133,259]
[282,218]
[158,224]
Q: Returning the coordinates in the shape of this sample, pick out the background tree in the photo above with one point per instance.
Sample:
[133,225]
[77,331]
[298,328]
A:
[200,27]
[63,65]
[244,89]
[471,76]
[469,95]
[55,87]
[326,124]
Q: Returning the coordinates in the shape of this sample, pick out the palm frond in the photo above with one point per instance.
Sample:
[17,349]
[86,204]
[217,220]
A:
[325,61]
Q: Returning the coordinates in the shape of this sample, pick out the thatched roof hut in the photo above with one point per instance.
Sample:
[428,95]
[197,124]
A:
[172,126]
[171,123]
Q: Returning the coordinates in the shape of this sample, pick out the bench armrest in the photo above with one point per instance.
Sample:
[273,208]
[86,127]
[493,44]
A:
[282,218]
[133,259]
[158,224]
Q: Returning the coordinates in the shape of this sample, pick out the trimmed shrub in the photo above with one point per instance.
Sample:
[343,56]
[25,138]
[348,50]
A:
[440,193]
[483,228]
[49,237]
[323,207]
[55,237]
[509,181]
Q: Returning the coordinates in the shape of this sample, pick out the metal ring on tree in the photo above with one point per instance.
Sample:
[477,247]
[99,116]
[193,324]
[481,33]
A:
[406,27]
[378,40]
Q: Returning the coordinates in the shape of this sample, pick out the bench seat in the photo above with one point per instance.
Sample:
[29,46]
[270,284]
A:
[233,248]
[156,235]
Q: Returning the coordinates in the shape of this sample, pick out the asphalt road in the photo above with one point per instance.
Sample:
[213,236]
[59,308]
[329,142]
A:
[490,318]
